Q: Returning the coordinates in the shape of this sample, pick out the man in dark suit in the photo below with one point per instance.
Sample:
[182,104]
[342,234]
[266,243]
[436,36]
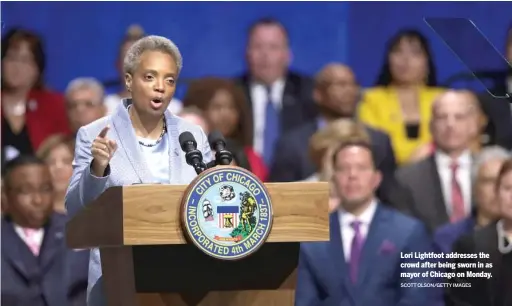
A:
[441,183]
[279,99]
[336,94]
[361,264]
[484,173]
[34,255]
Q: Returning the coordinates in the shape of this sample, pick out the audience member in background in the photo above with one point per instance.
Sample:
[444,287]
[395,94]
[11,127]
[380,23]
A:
[401,102]
[133,33]
[278,99]
[496,107]
[441,184]
[361,264]
[336,93]
[57,152]
[322,145]
[495,240]
[34,255]
[30,112]
[484,173]
[480,137]
[196,116]
[225,108]
[84,102]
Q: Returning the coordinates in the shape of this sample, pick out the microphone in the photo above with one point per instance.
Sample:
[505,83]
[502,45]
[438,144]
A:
[192,155]
[218,143]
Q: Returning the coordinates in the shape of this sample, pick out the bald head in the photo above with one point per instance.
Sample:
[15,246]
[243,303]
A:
[462,99]
[333,71]
[336,90]
[455,120]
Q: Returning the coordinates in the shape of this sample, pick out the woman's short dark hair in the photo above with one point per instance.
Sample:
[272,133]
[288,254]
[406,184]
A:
[200,93]
[17,36]
[385,77]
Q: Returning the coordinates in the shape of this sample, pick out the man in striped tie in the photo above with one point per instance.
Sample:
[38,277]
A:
[363,263]
[34,255]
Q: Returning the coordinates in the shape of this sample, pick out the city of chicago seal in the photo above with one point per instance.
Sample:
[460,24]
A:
[227,213]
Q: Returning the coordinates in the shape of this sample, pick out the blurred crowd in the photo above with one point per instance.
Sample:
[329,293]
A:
[429,157]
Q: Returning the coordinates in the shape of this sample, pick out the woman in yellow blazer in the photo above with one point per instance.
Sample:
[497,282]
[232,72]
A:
[401,102]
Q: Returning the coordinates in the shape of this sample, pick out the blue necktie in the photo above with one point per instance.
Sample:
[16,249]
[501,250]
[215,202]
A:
[272,130]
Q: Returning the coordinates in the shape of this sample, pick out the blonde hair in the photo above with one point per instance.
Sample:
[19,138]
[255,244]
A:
[325,141]
[54,141]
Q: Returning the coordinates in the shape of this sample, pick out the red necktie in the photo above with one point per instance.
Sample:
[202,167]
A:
[31,241]
[458,210]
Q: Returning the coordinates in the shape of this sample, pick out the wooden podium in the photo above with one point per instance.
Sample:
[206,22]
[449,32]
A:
[147,261]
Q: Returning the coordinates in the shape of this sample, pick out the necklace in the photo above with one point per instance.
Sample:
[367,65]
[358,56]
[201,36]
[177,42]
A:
[164,130]
[149,145]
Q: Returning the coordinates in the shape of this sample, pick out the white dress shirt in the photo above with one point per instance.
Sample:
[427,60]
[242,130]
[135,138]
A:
[37,238]
[444,169]
[347,231]
[259,103]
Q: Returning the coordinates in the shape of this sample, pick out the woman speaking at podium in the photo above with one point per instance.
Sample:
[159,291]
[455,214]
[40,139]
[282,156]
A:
[137,143]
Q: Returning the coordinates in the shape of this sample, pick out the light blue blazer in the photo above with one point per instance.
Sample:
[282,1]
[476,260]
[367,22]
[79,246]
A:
[127,167]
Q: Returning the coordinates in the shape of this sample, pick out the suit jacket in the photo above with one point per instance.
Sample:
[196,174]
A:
[127,167]
[298,104]
[423,182]
[483,292]
[323,275]
[446,235]
[499,115]
[292,162]
[36,281]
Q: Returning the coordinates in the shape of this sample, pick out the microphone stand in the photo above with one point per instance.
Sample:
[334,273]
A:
[223,157]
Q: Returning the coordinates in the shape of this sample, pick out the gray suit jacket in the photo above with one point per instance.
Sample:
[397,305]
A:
[127,167]
[423,182]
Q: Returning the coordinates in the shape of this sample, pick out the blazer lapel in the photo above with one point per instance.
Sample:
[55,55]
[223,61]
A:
[173,135]
[376,235]
[52,243]
[338,255]
[127,141]
[16,251]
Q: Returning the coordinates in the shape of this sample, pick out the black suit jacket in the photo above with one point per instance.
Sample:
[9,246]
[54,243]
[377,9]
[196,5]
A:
[298,104]
[51,279]
[499,115]
[483,292]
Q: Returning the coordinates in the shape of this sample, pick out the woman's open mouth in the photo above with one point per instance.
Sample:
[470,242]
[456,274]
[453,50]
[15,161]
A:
[157,103]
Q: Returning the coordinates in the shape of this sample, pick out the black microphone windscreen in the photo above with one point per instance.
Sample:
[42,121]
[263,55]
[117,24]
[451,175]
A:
[187,137]
[215,137]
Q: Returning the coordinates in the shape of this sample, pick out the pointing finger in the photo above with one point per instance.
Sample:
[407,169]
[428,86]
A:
[104,132]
